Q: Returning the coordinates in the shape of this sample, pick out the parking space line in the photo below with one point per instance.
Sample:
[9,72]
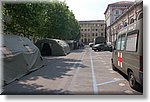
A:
[93,75]
[108,82]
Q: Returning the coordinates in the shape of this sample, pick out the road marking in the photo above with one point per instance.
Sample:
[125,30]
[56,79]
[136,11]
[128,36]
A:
[108,82]
[112,71]
[93,76]
[128,92]
[121,84]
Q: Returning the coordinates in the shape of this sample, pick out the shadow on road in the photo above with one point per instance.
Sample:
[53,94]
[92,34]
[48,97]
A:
[38,82]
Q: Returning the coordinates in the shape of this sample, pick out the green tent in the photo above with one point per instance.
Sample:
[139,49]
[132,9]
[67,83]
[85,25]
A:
[53,47]
[20,56]
[72,44]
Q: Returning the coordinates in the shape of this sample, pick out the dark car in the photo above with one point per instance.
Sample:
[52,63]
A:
[102,47]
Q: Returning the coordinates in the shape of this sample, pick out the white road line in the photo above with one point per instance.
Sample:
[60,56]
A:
[93,76]
[108,82]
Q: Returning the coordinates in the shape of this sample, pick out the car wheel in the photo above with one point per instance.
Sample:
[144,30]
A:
[132,80]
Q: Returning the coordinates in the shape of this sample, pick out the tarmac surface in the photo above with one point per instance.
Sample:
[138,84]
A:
[82,72]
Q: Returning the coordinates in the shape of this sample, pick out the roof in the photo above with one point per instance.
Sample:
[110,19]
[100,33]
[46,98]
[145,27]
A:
[90,21]
[123,2]
[119,3]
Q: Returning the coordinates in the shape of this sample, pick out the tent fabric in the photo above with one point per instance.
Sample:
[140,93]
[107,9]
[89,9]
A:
[20,56]
[53,47]
[72,44]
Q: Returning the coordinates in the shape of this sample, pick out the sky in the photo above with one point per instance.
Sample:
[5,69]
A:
[89,9]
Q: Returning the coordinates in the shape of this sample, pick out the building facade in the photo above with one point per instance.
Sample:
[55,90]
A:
[132,15]
[112,12]
[91,29]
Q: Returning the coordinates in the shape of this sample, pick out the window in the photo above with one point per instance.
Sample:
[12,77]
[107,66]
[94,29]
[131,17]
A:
[131,21]
[118,43]
[121,42]
[140,16]
[117,11]
[84,29]
[82,40]
[131,42]
[96,29]
[96,34]
[125,24]
[93,34]
[101,34]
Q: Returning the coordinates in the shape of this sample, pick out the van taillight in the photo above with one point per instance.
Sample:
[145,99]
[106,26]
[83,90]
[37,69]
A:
[141,63]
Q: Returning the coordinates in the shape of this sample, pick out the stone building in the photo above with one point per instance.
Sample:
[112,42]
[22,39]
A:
[130,16]
[112,12]
[91,29]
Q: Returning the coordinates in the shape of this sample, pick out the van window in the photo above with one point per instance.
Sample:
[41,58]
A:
[118,43]
[131,42]
[121,42]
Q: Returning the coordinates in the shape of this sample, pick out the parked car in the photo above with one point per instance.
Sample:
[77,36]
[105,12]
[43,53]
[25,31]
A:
[90,44]
[102,47]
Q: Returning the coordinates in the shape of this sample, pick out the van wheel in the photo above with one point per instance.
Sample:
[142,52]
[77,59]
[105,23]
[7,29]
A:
[113,67]
[132,80]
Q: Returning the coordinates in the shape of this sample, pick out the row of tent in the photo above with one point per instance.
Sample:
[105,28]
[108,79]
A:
[20,56]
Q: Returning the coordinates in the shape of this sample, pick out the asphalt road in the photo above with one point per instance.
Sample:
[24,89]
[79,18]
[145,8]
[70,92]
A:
[82,71]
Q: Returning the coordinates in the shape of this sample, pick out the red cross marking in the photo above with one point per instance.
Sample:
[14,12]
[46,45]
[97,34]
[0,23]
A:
[120,59]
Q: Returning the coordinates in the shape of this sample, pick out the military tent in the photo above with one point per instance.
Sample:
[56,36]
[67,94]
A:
[20,56]
[72,44]
[53,47]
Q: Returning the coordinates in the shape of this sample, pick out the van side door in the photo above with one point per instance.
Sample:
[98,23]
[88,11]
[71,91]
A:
[119,52]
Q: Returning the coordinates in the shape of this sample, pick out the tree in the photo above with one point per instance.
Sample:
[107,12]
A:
[53,20]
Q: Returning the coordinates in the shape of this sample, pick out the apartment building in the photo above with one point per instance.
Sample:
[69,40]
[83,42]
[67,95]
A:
[91,29]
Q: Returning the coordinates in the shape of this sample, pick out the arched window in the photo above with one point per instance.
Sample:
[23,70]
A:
[140,16]
[131,21]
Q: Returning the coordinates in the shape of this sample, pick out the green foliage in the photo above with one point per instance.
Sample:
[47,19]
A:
[53,20]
